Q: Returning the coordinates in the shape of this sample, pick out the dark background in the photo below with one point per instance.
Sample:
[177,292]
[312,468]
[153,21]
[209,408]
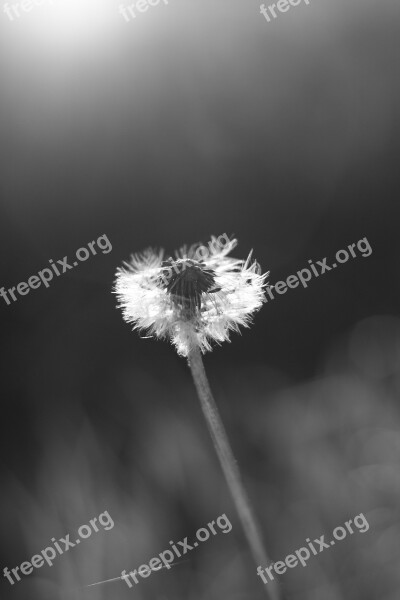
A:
[201,118]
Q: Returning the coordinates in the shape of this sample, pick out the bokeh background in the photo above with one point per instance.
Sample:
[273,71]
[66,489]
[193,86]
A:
[201,118]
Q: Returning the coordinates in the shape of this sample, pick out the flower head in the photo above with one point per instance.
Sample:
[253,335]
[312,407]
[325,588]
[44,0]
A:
[193,299]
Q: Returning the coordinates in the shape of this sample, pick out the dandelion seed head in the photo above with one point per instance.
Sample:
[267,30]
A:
[194,299]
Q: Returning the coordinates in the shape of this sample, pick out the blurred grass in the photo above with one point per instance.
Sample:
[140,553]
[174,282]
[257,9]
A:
[314,455]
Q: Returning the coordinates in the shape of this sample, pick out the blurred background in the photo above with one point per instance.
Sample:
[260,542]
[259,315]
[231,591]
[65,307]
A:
[200,118]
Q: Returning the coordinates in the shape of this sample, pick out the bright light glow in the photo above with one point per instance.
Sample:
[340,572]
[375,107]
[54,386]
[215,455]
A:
[65,25]
[77,21]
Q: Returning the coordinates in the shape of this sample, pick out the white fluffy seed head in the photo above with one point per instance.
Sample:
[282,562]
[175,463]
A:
[194,299]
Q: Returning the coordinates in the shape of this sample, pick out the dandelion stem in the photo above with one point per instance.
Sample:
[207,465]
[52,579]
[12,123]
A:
[229,466]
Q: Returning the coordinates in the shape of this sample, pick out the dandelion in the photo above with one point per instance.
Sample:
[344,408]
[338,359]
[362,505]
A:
[189,300]
[195,300]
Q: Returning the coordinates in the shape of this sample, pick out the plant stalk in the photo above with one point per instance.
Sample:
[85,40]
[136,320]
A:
[229,466]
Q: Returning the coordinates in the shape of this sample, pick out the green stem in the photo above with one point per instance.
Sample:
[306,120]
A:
[229,466]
